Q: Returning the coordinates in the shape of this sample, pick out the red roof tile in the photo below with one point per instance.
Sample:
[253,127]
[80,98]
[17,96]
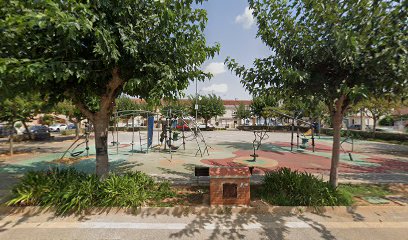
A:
[401,111]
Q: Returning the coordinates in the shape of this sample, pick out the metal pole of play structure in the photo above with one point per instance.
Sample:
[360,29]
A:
[86,137]
[297,136]
[147,145]
[313,140]
[133,131]
[291,138]
[117,134]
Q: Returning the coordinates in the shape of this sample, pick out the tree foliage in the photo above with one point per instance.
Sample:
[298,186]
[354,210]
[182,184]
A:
[20,108]
[335,51]
[177,108]
[261,102]
[91,51]
[74,115]
[375,107]
[242,111]
[209,106]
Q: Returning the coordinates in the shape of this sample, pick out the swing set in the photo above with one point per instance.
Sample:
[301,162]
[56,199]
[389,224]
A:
[169,135]
[85,141]
[145,141]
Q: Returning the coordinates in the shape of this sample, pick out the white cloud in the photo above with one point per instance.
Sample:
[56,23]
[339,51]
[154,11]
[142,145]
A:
[218,88]
[215,68]
[246,18]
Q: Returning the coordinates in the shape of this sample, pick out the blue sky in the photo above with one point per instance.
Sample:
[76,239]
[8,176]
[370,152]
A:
[230,23]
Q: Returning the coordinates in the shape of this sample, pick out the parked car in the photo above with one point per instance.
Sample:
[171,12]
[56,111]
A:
[71,126]
[5,131]
[204,127]
[57,127]
[355,126]
[185,126]
[37,129]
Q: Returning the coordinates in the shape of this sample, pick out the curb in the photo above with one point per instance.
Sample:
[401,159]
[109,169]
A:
[203,210]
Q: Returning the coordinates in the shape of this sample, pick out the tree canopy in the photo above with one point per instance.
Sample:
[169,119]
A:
[242,112]
[74,115]
[91,51]
[335,51]
[209,106]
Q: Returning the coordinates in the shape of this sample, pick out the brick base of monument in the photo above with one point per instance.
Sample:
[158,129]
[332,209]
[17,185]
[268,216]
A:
[230,187]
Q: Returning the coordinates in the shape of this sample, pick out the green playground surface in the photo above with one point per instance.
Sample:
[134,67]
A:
[226,148]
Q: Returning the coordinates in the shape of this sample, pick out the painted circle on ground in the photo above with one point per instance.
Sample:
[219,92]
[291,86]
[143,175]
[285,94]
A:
[260,162]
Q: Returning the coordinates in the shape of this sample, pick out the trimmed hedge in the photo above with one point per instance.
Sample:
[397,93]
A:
[357,134]
[273,128]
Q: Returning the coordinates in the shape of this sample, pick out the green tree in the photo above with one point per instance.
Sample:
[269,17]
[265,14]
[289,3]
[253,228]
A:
[124,103]
[19,108]
[177,107]
[262,104]
[209,106]
[92,51]
[74,115]
[336,51]
[375,107]
[242,112]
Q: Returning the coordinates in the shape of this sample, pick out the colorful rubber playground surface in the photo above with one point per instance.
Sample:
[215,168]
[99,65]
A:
[369,162]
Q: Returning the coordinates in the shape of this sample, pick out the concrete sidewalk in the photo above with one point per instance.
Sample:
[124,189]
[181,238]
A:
[171,223]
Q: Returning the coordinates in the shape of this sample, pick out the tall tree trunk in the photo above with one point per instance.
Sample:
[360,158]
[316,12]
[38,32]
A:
[11,149]
[374,124]
[30,136]
[77,129]
[205,122]
[337,119]
[101,123]
[362,120]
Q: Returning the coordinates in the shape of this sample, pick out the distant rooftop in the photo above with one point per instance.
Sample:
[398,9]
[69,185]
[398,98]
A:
[227,102]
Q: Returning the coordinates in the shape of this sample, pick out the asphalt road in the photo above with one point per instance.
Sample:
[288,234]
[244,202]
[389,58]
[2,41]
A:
[361,223]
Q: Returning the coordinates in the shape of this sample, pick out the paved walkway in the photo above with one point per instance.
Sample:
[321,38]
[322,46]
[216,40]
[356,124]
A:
[360,223]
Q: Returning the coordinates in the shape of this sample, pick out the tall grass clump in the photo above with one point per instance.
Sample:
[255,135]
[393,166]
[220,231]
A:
[285,187]
[70,191]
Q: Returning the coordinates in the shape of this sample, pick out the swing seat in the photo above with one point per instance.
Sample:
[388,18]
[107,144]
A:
[76,154]
[172,147]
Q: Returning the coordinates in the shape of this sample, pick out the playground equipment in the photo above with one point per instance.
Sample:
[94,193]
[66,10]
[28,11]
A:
[145,141]
[169,136]
[305,141]
[348,139]
[85,140]
[256,144]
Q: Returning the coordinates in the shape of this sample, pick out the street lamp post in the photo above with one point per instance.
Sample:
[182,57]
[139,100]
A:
[196,104]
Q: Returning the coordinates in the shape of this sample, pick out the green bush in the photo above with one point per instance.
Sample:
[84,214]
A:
[386,121]
[47,119]
[68,190]
[68,132]
[285,187]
